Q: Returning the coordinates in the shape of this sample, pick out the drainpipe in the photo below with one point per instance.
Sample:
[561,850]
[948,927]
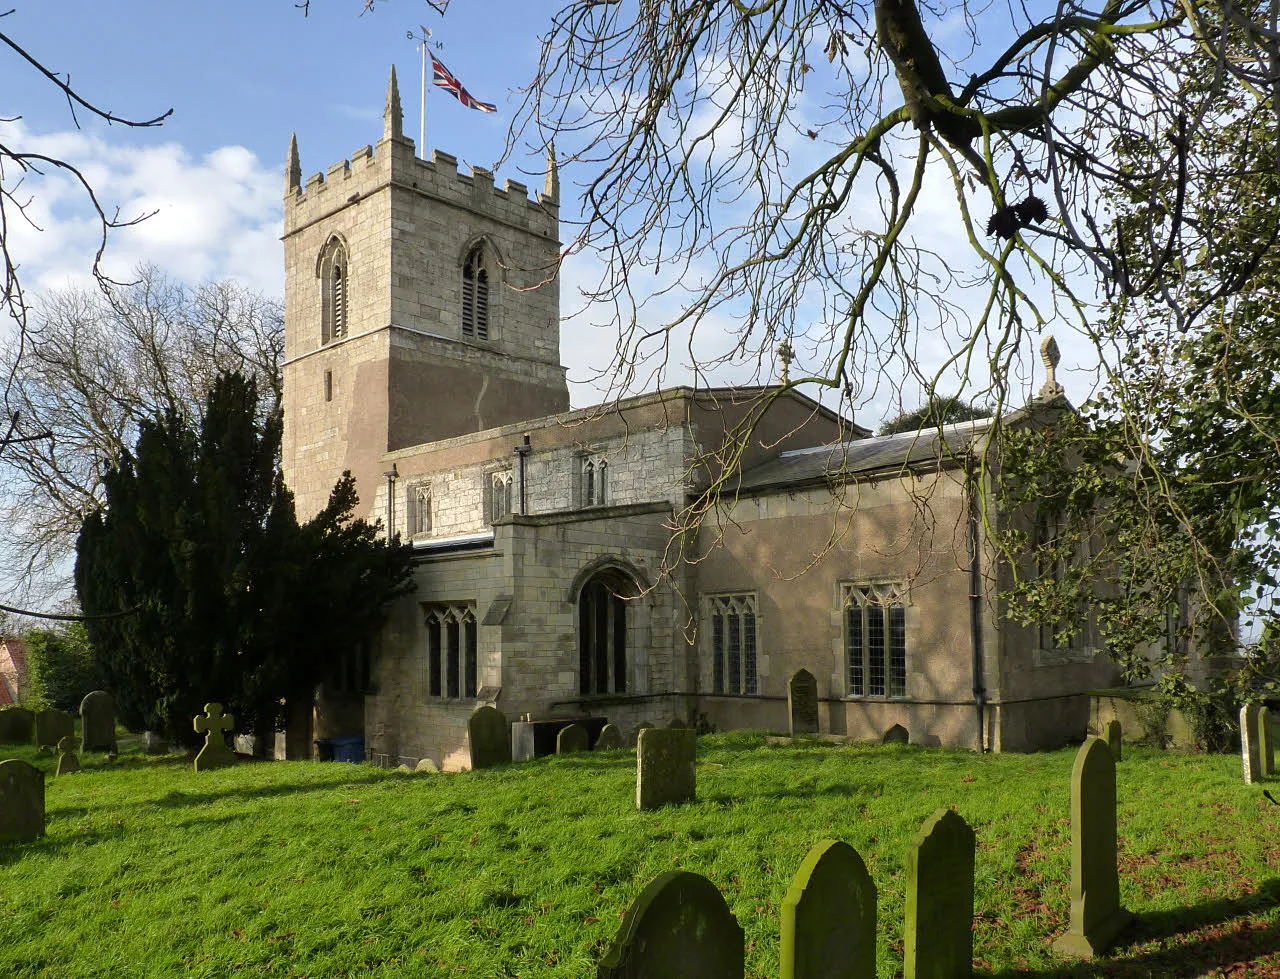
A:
[975,610]
[522,451]
[391,475]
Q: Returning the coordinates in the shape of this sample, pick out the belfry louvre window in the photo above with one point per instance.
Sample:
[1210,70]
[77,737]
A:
[334,274]
[475,295]
[875,640]
[733,643]
[449,668]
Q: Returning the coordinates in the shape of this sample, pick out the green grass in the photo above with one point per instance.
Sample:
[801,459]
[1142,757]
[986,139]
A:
[305,869]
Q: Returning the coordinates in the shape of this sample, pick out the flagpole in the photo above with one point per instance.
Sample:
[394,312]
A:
[422,116]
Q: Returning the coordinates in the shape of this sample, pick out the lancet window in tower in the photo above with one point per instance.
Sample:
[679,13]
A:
[334,290]
[475,295]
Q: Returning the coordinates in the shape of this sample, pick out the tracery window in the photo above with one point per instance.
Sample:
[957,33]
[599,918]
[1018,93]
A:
[499,494]
[875,640]
[595,478]
[732,635]
[449,667]
[420,509]
[475,295]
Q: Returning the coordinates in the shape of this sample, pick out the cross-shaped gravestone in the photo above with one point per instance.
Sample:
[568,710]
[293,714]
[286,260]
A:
[214,725]
[67,760]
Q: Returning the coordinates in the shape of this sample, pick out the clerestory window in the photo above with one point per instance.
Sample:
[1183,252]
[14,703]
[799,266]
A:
[499,494]
[475,295]
[595,478]
[420,509]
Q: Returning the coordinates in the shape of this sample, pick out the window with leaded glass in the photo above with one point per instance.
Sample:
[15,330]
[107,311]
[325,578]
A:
[420,509]
[450,667]
[732,633]
[499,495]
[595,472]
[875,640]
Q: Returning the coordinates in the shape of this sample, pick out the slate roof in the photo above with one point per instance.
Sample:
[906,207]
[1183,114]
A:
[883,453]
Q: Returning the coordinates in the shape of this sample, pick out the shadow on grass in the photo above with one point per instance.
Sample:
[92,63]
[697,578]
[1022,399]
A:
[1226,939]
[59,845]
[178,799]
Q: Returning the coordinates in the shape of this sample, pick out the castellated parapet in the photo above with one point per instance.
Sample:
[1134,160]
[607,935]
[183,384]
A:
[397,367]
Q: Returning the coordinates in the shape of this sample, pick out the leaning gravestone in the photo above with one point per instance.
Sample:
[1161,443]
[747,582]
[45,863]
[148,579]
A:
[1113,735]
[609,739]
[665,767]
[1096,915]
[802,703]
[16,725]
[678,926]
[571,738]
[21,801]
[97,722]
[51,726]
[67,760]
[1266,744]
[829,917]
[214,725]
[1250,750]
[490,740]
[939,932]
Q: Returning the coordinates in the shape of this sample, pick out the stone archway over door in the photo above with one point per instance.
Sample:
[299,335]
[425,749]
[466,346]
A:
[602,635]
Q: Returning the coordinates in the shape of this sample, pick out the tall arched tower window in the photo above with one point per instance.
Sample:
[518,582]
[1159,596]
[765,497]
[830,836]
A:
[475,295]
[334,273]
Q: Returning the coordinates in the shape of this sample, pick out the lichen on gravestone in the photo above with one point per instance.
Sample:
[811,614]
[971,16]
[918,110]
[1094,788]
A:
[21,801]
[829,917]
[67,760]
[666,770]
[1096,915]
[679,926]
[488,737]
[939,914]
[214,725]
[571,738]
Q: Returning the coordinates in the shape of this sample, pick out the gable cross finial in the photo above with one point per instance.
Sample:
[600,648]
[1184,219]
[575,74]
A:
[786,354]
[1050,355]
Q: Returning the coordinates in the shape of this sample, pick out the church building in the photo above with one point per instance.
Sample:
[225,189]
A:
[423,354]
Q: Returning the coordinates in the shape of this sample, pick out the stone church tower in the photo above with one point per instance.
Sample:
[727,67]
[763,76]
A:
[420,304]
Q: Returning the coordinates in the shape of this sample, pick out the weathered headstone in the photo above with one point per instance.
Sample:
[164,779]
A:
[635,738]
[154,743]
[523,746]
[16,725]
[489,737]
[1113,735]
[51,726]
[610,738]
[1096,915]
[571,738]
[214,725]
[897,735]
[939,930]
[802,703]
[67,760]
[829,917]
[1266,742]
[666,771]
[21,801]
[97,722]
[678,926]
[1250,750]
[426,765]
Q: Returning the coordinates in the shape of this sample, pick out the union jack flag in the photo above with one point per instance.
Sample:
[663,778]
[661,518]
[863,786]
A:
[443,78]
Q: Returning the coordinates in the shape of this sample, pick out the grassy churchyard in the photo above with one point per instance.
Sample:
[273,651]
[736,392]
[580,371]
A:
[323,870]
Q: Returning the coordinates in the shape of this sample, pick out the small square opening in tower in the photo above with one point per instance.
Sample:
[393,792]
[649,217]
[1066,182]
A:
[328,385]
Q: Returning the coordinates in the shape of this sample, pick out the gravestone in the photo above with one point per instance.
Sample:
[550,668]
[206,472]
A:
[426,765]
[21,801]
[676,723]
[1266,744]
[1096,915]
[16,725]
[1250,750]
[939,930]
[522,741]
[635,740]
[97,722]
[679,926]
[829,917]
[571,738]
[67,760]
[489,738]
[1113,735]
[154,743]
[897,735]
[51,726]
[214,725]
[610,738]
[802,703]
[665,767]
